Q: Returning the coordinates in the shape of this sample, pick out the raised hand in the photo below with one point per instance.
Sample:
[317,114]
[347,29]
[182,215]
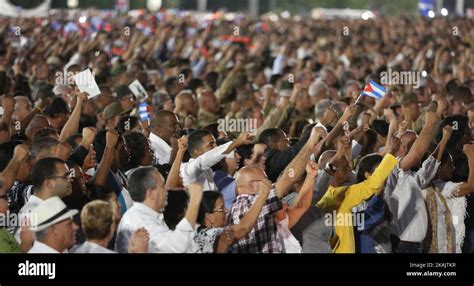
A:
[245,138]
[348,113]
[88,135]
[111,138]
[447,132]
[183,143]
[312,168]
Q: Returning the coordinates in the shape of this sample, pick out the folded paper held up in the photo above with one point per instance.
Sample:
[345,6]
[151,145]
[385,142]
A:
[86,83]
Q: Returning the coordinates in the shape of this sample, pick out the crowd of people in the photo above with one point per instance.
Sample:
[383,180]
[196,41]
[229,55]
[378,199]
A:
[317,167]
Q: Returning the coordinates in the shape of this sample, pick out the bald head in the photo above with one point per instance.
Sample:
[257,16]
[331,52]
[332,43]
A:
[184,102]
[246,179]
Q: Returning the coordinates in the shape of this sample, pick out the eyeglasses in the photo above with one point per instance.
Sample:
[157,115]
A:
[67,176]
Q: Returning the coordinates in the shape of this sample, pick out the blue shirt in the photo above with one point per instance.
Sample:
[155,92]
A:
[226,185]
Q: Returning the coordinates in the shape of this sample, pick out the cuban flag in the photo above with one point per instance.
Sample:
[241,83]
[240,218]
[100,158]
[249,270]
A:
[143,111]
[374,90]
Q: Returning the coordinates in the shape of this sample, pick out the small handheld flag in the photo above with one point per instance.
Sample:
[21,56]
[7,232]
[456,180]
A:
[143,112]
[374,90]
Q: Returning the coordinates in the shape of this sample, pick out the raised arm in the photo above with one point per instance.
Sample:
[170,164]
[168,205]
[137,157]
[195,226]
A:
[173,180]
[392,128]
[8,176]
[422,143]
[305,195]
[72,125]
[111,139]
[250,218]
[348,113]
[296,168]
[438,152]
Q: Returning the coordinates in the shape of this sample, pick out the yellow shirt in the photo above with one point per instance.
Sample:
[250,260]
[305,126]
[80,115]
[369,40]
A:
[340,201]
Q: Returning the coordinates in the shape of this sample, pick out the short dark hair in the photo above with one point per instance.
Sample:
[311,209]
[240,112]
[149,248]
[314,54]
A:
[139,181]
[195,139]
[208,202]
[269,135]
[367,164]
[58,106]
[43,144]
[45,132]
[213,128]
[44,169]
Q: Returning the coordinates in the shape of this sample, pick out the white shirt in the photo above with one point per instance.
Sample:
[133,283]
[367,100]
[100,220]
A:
[90,247]
[39,247]
[32,203]
[162,239]
[161,149]
[406,202]
[199,169]
[292,245]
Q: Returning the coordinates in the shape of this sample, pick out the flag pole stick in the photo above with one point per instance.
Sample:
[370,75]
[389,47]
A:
[358,98]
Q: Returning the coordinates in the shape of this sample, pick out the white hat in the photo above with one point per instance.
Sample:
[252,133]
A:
[49,212]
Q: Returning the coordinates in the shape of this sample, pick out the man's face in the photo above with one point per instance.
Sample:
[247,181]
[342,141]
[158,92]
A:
[457,107]
[65,232]
[170,127]
[22,109]
[61,182]
[208,143]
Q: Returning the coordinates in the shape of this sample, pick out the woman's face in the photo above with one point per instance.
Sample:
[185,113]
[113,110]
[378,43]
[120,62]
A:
[148,157]
[90,160]
[218,216]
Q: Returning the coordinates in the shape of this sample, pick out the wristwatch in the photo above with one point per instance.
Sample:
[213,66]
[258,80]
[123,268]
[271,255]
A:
[330,168]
